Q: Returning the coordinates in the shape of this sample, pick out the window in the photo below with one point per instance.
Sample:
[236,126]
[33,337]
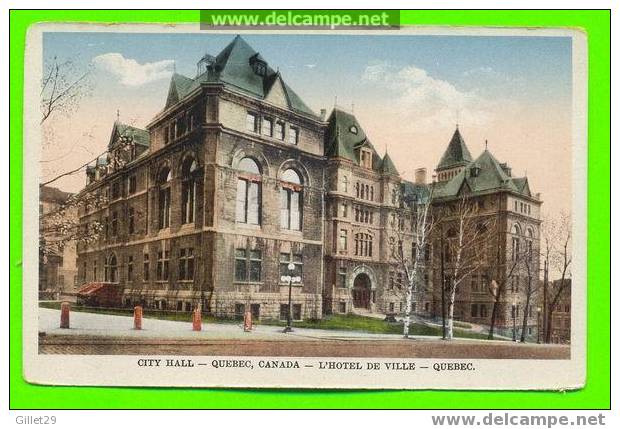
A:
[268,127]
[84,272]
[342,276]
[248,192]
[343,239]
[114,223]
[296,312]
[111,269]
[131,220]
[164,198]
[251,122]
[475,287]
[116,190]
[344,210]
[345,184]
[95,271]
[188,191]
[366,158]
[239,311]
[186,264]
[474,310]
[353,129]
[483,310]
[363,244]
[132,184]
[342,307]
[130,268]
[166,135]
[241,265]
[296,259]
[279,130]
[290,201]
[146,267]
[293,135]
[163,260]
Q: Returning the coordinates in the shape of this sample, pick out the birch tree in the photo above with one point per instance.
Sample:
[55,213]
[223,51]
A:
[63,85]
[532,284]
[420,224]
[465,251]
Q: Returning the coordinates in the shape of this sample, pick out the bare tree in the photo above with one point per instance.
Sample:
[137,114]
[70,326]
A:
[466,249]
[417,212]
[532,283]
[557,256]
[62,87]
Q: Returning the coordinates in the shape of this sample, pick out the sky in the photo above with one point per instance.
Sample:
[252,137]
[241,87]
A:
[408,93]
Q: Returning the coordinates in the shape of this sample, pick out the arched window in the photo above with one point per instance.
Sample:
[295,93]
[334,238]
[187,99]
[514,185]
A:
[248,192]
[345,184]
[188,190]
[111,269]
[163,180]
[528,243]
[291,200]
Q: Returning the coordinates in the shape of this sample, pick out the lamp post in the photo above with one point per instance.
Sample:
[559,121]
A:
[289,316]
[514,321]
[538,325]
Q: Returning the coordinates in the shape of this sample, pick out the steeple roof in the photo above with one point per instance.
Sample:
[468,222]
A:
[483,175]
[456,153]
[387,166]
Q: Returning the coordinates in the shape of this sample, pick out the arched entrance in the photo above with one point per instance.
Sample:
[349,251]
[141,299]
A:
[362,291]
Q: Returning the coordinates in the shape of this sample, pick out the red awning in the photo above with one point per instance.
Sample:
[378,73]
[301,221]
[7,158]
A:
[92,288]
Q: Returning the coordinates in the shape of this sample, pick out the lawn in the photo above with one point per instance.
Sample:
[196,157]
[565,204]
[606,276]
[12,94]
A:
[348,322]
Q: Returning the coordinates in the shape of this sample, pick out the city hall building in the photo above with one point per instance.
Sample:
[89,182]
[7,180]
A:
[235,180]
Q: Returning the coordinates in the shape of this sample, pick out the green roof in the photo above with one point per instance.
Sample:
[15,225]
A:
[345,135]
[456,153]
[233,67]
[138,135]
[480,176]
[413,192]
[387,166]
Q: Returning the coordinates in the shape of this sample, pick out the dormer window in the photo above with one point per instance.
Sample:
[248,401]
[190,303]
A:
[258,65]
[366,158]
[353,129]
[475,171]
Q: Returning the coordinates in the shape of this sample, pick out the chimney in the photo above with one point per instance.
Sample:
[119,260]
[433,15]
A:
[420,176]
[323,113]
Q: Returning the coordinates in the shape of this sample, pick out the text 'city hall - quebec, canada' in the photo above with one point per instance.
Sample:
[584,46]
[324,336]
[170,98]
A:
[236,179]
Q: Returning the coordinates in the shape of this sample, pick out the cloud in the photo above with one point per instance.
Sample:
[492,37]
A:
[130,72]
[425,99]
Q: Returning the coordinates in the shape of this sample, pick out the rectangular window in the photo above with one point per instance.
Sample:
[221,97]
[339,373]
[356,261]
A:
[296,259]
[241,267]
[146,267]
[239,311]
[188,194]
[94,271]
[114,224]
[342,307]
[474,310]
[166,135]
[342,276]
[163,260]
[267,127]
[296,312]
[116,190]
[344,210]
[343,239]
[130,268]
[279,130]
[186,264]
[293,135]
[255,265]
[251,122]
[131,220]
[132,184]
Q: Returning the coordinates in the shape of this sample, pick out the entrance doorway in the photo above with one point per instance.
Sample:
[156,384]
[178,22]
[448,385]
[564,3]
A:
[362,291]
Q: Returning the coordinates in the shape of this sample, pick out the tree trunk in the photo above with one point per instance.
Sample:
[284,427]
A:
[450,327]
[494,314]
[407,320]
[525,316]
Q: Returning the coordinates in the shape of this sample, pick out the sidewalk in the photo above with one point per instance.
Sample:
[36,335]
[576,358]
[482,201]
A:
[103,325]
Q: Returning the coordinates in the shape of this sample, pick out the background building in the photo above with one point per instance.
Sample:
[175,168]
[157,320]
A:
[57,269]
